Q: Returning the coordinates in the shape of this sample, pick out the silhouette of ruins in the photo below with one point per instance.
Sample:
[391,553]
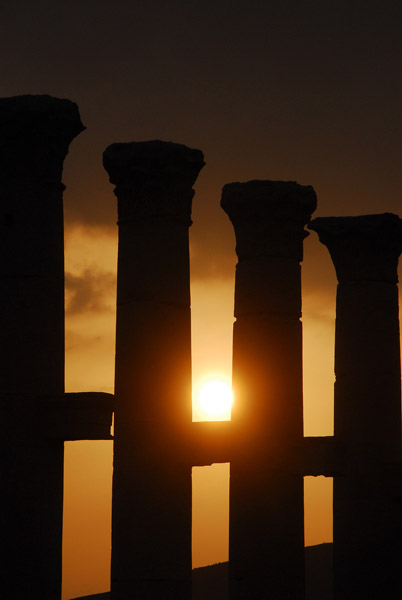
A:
[155,442]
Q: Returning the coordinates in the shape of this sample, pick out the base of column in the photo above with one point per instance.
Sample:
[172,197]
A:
[212,582]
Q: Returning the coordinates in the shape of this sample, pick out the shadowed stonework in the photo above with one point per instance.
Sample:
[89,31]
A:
[151,522]
[35,133]
[156,444]
[367,491]
[266,539]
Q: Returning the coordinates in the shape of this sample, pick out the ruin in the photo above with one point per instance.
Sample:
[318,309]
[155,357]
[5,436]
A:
[156,444]
[35,133]
[266,527]
[367,489]
[151,514]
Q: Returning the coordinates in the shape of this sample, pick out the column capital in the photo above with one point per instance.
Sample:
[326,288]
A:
[153,179]
[362,248]
[35,133]
[269,217]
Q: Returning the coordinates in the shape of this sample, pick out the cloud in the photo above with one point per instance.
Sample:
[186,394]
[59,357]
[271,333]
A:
[93,290]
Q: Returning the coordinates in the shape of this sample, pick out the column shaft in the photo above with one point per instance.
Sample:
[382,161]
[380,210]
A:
[266,543]
[35,132]
[151,520]
[367,511]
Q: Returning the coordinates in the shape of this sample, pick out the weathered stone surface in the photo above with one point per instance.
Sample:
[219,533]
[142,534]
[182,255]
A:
[266,540]
[365,253]
[151,520]
[161,275]
[32,323]
[77,416]
[42,419]
[153,179]
[263,288]
[35,132]
[367,533]
[266,536]
[269,217]
[363,248]
[367,424]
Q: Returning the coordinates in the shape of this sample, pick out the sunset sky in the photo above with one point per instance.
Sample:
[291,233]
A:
[307,91]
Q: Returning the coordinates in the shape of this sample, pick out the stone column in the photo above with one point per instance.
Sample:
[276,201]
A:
[266,545]
[367,424]
[35,133]
[151,521]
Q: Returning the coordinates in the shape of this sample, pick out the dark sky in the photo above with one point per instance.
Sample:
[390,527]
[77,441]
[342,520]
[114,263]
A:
[308,91]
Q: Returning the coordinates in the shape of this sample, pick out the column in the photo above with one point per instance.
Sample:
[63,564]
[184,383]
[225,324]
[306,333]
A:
[367,423]
[266,540]
[151,520]
[35,133]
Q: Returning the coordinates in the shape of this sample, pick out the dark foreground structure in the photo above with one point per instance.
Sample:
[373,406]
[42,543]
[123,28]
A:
[37,417]
[156,443]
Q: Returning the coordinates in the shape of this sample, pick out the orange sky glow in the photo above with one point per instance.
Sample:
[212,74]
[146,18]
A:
[309,92]
[90,323]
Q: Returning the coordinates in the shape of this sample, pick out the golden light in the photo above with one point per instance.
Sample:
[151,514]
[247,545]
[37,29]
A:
[215,399]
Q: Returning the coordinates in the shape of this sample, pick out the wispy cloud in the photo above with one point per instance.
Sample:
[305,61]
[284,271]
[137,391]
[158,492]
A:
[93,290]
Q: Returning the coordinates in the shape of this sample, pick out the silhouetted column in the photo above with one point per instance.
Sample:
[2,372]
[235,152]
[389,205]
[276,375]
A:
[266,545]
[35,133]
[367,493]
[151,522]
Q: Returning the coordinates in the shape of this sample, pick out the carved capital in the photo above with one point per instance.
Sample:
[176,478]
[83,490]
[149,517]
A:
[153,179]
[35,133]
[269,217]
[364,248]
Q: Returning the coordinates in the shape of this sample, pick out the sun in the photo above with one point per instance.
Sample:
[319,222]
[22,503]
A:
[214,400]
